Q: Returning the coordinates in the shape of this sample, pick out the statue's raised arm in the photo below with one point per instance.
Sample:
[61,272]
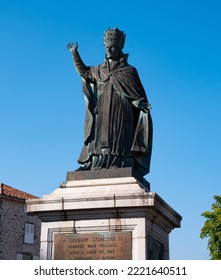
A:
[82,69]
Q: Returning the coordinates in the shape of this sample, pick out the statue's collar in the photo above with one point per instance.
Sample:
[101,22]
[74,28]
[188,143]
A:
[123,58]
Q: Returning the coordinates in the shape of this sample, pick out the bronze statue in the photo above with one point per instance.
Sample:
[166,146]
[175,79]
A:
[118,124]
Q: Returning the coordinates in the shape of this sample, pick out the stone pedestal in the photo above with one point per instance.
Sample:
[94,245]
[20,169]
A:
[112,218]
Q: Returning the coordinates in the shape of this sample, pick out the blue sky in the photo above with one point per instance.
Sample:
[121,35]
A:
[175,46]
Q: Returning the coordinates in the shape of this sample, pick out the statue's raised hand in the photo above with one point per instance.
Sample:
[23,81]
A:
[72,47]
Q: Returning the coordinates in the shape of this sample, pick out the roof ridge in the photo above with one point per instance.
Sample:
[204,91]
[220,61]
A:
[13,192]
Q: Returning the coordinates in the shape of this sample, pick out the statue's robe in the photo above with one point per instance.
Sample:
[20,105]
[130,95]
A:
[118,124]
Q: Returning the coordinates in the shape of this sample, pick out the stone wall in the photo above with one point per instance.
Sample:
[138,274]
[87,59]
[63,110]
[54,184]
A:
[12,230]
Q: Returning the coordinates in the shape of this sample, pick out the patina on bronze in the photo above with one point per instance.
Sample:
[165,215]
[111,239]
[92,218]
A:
[118,124]
[93,246]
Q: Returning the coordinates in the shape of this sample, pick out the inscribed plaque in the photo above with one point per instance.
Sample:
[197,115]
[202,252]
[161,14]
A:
[93,246]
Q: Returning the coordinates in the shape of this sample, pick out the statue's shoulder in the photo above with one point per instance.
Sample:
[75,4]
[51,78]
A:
[99,70]
[131,69]
[99,67]
[128,66]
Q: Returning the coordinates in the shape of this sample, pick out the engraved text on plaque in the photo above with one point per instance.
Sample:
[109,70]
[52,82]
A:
[93,246]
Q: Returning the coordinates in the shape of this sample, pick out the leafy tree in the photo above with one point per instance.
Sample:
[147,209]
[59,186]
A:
[212,229]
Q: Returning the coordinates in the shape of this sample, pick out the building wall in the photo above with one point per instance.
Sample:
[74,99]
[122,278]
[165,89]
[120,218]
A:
[12,230]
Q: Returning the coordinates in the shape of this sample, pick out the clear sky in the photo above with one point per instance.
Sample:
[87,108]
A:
[175,46]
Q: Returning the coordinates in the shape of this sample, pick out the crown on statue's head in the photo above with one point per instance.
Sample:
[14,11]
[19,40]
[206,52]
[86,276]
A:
[114,37]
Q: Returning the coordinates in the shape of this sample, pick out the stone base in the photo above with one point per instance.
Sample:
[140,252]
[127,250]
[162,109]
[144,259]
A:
[107,173]
[99,218]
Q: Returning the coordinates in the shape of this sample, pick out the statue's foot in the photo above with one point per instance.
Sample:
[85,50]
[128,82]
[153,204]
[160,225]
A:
[86,166]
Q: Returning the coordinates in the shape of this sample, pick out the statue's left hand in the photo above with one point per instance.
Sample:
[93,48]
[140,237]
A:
[72,47]
[142,105]
[147,107]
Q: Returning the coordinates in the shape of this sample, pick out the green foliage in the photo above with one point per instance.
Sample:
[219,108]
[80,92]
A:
[212,229]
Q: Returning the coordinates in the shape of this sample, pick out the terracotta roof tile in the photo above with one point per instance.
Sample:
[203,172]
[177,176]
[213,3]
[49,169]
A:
[12,192]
